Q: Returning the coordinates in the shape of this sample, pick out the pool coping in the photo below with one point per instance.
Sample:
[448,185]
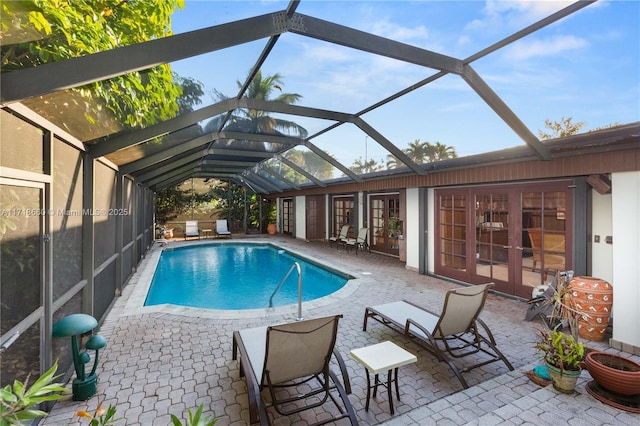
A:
[139,284]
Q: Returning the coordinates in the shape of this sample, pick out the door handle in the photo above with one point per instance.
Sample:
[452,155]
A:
[519,248]
[506,247]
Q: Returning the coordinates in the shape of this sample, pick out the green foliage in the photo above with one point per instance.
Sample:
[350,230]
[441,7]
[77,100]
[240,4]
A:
[310,162]
[194,419]
[191,93]
[172,202]
[52,30]
[360,166]
[258,121]
[565,127]
[561,350]
[18,400]
[423,152]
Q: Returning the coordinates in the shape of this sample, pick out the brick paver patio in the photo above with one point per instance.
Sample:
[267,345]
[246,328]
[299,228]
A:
[161,361]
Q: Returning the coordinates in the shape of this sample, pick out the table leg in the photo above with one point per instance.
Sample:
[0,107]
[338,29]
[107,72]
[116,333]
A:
[396,379]
[389,394]
[366,407]
[375,386]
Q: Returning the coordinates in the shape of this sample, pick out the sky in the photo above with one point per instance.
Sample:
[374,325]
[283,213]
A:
[586,66]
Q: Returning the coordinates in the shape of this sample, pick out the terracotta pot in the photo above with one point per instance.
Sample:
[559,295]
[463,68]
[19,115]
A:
[593,298]
[271,228]
[563,380]
[614,373]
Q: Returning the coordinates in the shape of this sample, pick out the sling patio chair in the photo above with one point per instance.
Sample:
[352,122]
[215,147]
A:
[222,228]
[344,232]
[455,333]
[289,364]
[359,242]
[191,229]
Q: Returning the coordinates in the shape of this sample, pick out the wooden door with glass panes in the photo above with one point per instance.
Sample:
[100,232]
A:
[386,227]
[288,219]
[343,214]
[516,236]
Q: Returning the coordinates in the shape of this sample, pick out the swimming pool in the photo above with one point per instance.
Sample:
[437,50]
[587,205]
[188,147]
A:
[237,276]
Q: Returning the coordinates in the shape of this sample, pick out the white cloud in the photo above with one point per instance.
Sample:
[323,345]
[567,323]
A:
[515,14]
[556,45]
[396,32]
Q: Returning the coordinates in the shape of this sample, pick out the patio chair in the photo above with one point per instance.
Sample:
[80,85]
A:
[453,334]
[554,243]
[359,242]
[294,355]
[191,229]
[344,232]
[222,229]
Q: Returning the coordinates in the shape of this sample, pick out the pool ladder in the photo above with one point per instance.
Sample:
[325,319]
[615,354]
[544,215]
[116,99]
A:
[296,266]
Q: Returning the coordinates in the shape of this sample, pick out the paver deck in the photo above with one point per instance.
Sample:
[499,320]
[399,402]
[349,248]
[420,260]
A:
[163,360]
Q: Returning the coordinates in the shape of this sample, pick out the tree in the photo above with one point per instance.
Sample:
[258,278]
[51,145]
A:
[257,121]
[172,202]
[423,152]
[191,92]
[440,151]
[360,167]
[39,31]
[560,129]
[310,162]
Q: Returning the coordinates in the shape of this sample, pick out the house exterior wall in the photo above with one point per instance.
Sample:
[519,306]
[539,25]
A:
[601,226]
[412,229]
[612,214]
[301,217]
[625,190]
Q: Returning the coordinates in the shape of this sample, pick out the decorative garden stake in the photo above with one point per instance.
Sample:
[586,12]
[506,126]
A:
[84,385]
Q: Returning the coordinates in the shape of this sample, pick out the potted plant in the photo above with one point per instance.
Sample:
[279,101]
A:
[18,401]
[564,356]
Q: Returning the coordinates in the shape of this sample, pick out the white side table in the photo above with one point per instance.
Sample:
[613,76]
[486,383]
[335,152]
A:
[381,357]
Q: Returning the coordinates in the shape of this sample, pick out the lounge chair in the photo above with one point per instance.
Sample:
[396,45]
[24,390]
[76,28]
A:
[344,232]
[222,229]
[452,334]
[191,229]
[292,355]
[359,242]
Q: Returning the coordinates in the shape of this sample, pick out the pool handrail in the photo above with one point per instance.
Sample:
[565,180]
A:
[295,265]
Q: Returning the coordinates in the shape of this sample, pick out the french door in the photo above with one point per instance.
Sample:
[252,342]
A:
[386,226]
[288,216]
[515,236]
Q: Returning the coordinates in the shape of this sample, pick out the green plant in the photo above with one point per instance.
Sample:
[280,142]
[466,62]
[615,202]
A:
[194,419]
[19,399]
[100,417]
[561,350]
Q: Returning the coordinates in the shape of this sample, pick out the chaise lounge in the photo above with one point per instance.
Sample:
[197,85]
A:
[453,334]
[222,228]
[292,356]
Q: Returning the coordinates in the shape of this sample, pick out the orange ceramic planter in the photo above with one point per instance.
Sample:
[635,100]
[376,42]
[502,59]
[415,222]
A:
[593,298]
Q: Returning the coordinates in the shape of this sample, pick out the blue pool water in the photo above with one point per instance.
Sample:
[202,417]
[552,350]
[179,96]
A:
[236,276]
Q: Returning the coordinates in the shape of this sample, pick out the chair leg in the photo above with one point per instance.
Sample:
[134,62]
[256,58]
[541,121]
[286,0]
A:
[345,399]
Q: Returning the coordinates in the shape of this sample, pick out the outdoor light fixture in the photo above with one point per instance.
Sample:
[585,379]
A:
[84,385]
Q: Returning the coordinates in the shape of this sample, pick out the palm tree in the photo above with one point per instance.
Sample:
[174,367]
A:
[257,121]
[423,152]
[359,166]
[417,151]
[440,151]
